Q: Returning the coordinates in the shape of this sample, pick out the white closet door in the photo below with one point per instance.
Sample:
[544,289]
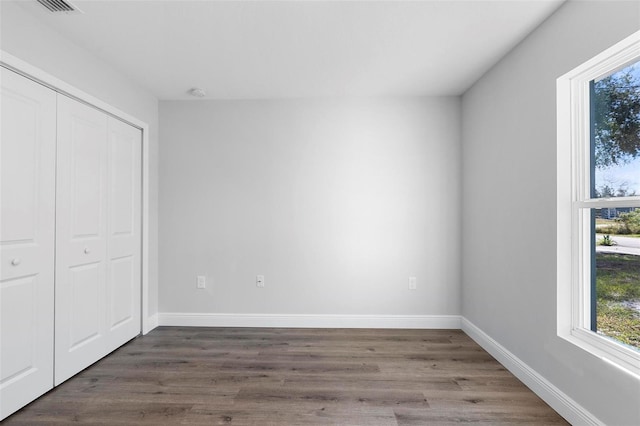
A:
[98,236]
[27,156]
[124,232]
[81,238]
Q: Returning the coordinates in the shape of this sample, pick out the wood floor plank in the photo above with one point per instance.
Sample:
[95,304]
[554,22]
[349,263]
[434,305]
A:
[368,397]
[300,413]
[250,376]
[437,417]
[403,382]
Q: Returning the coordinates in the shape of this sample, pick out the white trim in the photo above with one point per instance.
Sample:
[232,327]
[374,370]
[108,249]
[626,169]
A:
[40,76]
[600,203]
[309,321]
[558,400]
[151,323]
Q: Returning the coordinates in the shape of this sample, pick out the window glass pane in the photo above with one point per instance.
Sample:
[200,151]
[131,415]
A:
[616,274]
[615,139]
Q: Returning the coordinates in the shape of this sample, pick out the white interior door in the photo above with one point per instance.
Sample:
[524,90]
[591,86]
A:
[81,238]
[27,225]
[98,241]
[124,232]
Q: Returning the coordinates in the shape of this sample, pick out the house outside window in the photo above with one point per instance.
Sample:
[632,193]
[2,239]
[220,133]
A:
[598,220]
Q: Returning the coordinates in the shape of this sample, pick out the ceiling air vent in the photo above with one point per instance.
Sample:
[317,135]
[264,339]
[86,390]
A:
[59,6]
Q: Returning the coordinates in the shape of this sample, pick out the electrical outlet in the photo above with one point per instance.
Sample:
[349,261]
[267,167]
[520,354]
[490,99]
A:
[412,283]
[201,281]
[260,280]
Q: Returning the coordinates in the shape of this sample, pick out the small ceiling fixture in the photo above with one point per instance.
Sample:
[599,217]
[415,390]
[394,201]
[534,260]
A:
[198,92]
[60,6]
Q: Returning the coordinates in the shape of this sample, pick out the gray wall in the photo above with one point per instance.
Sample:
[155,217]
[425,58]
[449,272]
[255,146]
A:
[28,39]
[336,202]
[509,202]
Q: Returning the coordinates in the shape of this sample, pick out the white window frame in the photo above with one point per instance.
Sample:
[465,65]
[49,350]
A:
[574,205]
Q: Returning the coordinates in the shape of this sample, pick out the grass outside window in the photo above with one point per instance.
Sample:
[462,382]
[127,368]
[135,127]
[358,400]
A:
[618,297]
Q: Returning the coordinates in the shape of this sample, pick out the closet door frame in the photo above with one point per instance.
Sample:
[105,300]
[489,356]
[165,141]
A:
[38,75]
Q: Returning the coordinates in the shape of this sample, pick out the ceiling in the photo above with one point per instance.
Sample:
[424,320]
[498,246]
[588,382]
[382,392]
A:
[290,49]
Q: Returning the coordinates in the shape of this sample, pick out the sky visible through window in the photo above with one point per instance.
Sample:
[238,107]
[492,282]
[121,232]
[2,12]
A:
[624,175]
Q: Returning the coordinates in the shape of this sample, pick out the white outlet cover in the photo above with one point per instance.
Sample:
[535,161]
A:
[260,280]
[413,283]
[201,281]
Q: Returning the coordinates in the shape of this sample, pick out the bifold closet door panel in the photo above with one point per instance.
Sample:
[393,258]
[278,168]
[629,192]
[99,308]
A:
[98,236]
[27,224]
[124,232]
[81,238]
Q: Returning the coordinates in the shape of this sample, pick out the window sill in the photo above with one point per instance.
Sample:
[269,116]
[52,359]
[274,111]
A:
[625,359]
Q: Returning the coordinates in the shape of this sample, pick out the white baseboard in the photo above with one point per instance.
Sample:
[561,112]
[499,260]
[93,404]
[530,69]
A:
[309,321]
[150,323]
[573,412]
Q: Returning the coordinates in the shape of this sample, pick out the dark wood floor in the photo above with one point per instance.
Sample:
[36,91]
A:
[240,376]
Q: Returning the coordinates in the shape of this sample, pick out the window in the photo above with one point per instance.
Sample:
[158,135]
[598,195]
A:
[599,205]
